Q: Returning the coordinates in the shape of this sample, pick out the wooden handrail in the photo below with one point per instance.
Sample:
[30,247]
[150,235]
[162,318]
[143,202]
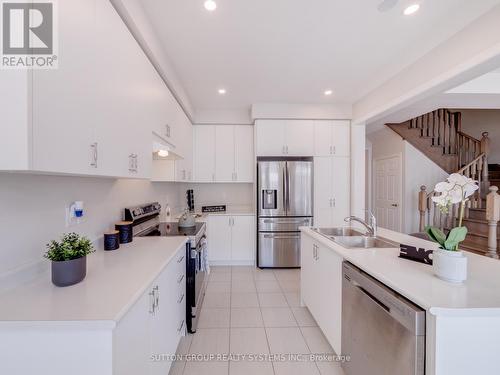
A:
[475,161]
[474,139]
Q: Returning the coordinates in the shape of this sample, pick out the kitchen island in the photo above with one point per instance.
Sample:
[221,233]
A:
[131,304]
[462,321]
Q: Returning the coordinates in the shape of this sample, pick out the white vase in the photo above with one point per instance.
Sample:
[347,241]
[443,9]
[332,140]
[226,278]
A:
[450,266]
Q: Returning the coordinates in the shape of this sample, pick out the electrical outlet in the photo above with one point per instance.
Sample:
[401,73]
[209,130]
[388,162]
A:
[75,214]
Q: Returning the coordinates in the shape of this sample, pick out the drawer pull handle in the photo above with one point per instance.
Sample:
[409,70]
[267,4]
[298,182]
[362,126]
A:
[179,280]
[180,259]
[181,299]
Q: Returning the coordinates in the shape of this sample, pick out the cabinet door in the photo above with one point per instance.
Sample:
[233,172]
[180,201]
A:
[270,137]
[340,190]
[299,138]
[306,268]
[64,103]
[224,153]
[341,138]
[219,238]
[245,159]
[204,147]
[131,339]
[243,239]
[323,191]
[323,138]
[329,317]
[124,121]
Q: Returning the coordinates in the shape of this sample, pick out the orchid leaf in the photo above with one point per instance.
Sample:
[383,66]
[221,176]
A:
[455,236]
[436,235]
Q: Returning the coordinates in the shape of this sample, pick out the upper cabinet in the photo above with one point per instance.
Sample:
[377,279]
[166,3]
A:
[224,153]
[285,137]
[97,112]
[332,138]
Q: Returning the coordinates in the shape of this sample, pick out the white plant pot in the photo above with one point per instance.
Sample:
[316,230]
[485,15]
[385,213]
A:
[450,266]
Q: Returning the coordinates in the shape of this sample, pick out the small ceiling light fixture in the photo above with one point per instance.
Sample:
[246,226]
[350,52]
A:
[210,5]
[328,92]
[411,9]
[162,153]
[222,91]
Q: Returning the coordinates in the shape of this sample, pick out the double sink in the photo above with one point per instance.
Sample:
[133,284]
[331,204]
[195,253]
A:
[352,239]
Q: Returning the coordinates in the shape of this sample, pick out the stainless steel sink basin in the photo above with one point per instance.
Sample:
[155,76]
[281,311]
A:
[363,242]
[340,231]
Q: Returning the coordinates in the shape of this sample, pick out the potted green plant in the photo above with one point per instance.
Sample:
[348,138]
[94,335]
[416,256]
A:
[69,258]
[450,264]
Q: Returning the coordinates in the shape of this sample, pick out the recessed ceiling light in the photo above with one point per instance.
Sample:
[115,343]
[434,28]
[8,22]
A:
[210,5]
[221,91]
[328,92]
[411,9]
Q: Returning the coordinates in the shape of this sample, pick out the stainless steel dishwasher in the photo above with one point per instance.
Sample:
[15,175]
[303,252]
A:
[382,332]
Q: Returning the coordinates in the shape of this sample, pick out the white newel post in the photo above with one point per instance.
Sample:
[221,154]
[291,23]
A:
[493,217]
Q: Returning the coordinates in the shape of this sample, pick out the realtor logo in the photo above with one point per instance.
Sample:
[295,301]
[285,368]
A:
[28,35]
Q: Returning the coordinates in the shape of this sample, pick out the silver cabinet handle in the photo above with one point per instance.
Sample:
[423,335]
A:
[181,299]
[167,130]
[334,202]
[331,150]
[152,302]
[334,150]
[282,237]
[180,259]
[156,292]
[179,280]
[93,147]
[180,328]
[136,163]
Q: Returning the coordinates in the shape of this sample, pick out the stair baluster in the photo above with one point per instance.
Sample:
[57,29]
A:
[493,217]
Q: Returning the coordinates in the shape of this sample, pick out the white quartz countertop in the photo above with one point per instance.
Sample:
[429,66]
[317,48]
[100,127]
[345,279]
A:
[479,295]
[115,280]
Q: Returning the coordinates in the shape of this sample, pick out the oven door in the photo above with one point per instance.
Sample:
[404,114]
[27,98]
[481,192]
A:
[195,288]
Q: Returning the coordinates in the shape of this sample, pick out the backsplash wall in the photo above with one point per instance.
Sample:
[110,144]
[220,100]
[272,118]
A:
[32,210]
[235,196]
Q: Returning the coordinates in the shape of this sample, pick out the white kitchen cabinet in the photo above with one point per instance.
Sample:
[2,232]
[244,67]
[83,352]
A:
[219,238]
[244,153]
[224,153]
[299,138]
[153,325]
[331,191]
[322,267]
[284,138]
[204,155]
[231,239]
[332,137]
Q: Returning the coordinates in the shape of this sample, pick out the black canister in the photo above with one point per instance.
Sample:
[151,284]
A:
[125,229]
[112,240]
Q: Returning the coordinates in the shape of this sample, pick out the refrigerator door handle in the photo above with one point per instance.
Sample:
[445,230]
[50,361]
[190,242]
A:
[285,187]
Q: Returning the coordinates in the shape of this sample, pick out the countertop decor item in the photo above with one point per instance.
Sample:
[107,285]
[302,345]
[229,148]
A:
[208,209]
[415,254]
[69,258]
[450,264]
[187,220]
[112,240]
[125,229]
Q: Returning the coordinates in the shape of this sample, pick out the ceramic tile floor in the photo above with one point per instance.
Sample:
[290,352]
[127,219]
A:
[251,311]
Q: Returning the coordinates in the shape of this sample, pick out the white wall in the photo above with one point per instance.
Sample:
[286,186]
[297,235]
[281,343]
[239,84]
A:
[33,211]
[477,121]
[418,170]
[234,196]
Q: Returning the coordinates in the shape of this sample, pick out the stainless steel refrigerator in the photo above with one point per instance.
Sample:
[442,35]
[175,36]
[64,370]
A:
[284,203]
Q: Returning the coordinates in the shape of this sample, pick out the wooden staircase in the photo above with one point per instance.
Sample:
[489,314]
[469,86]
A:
[439,136]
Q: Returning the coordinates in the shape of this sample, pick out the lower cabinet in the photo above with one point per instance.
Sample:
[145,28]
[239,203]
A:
[154,325]
[231,239]
[321,288]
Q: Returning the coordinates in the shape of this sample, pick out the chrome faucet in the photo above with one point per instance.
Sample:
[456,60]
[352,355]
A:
[370,227]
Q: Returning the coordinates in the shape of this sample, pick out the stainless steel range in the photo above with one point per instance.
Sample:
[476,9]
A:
[146,223]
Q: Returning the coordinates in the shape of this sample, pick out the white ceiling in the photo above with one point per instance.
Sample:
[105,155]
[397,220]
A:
[290,51]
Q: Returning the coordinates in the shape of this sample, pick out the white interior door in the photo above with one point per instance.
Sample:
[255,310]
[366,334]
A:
[388,182]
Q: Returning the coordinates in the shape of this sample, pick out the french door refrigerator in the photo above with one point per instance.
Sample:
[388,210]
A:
[284,203]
